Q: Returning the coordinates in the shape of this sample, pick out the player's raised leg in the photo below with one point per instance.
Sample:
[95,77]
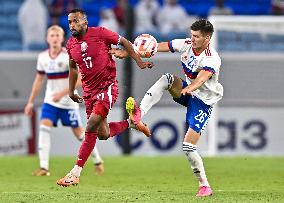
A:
[153,95]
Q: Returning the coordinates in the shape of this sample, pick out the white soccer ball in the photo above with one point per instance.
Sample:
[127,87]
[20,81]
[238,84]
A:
[145,45]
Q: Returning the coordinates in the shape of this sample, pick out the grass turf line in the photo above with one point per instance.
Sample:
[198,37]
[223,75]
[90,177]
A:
[145,179]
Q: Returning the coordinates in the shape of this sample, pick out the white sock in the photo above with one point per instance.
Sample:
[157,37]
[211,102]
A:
[155,93]
[44,146]
[96,156]
[95,153]
[196,163]
[76,171]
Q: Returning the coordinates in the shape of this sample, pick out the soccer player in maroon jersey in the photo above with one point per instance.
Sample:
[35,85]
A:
[88,49]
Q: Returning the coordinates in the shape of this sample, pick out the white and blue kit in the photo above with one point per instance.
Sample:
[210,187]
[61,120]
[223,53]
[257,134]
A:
[200,103]
[57,71]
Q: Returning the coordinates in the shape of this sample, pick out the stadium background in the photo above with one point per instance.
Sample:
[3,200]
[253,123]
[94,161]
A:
[248,159]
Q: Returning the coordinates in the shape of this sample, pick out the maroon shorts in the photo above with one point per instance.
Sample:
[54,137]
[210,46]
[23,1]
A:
[102,102]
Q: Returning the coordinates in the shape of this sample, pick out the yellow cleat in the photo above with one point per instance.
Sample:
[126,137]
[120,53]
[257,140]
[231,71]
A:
[135,116]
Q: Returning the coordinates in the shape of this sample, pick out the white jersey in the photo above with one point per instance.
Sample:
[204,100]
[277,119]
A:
[211,91]
[57,72]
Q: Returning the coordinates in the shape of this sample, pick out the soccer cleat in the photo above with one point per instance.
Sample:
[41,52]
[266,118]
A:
[41,172]
[204,191]
[135,116]
[99,167]
[133,110]
[68,180]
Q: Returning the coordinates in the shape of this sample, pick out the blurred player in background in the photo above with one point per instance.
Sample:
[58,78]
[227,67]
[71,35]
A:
[57,105]
[88,50]
[199,92]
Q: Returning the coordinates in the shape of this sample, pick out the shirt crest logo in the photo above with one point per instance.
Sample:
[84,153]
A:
[84,46]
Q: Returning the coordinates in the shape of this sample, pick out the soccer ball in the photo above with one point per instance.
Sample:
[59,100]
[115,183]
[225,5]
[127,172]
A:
[145,45]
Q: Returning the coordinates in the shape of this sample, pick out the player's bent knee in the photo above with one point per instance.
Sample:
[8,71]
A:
[168,79]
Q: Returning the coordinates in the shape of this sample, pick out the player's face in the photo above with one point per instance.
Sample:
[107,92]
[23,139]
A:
[199,40]
[55,38]
[77,24]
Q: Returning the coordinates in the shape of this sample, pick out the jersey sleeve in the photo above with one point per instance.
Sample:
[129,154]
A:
[179,45]
[39,66]
[211,64]
[109,36]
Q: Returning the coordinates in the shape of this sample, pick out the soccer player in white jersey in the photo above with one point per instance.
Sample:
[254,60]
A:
[198,92]
[54,63]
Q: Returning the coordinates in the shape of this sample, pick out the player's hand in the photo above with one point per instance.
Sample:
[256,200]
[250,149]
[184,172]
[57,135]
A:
[29,109]
[144,65]
[57,96]
[186,91]
[76,98]
[118,53]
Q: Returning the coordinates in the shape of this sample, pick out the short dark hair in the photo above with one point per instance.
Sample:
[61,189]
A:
[203,25]
[78,10]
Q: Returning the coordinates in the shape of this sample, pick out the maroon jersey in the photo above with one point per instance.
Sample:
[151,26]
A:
[90,53]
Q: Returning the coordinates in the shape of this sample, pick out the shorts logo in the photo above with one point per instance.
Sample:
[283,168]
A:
[84,46]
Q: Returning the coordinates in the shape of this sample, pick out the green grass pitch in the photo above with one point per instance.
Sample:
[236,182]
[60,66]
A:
[145,179]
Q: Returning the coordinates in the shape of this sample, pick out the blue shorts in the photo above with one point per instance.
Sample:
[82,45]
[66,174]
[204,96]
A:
[198,113]
[68,117]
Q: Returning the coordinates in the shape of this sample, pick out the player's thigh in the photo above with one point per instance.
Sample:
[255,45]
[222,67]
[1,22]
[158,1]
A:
[46,122]
[197,117]
[176,87]
[49,115]
[179,98]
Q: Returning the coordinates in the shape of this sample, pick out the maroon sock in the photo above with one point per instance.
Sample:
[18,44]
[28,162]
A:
[86,148]
[115,128]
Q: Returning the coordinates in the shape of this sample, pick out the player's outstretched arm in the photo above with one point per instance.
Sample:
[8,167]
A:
[201,78]
[37,85]
[163,47]
[120,53]
[129,49]
[73,78]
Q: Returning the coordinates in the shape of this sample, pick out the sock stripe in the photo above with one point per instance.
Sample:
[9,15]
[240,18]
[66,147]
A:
[188,147]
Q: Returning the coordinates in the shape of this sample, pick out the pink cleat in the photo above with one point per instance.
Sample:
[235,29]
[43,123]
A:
[133,110]
[204,191]
[135,116]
